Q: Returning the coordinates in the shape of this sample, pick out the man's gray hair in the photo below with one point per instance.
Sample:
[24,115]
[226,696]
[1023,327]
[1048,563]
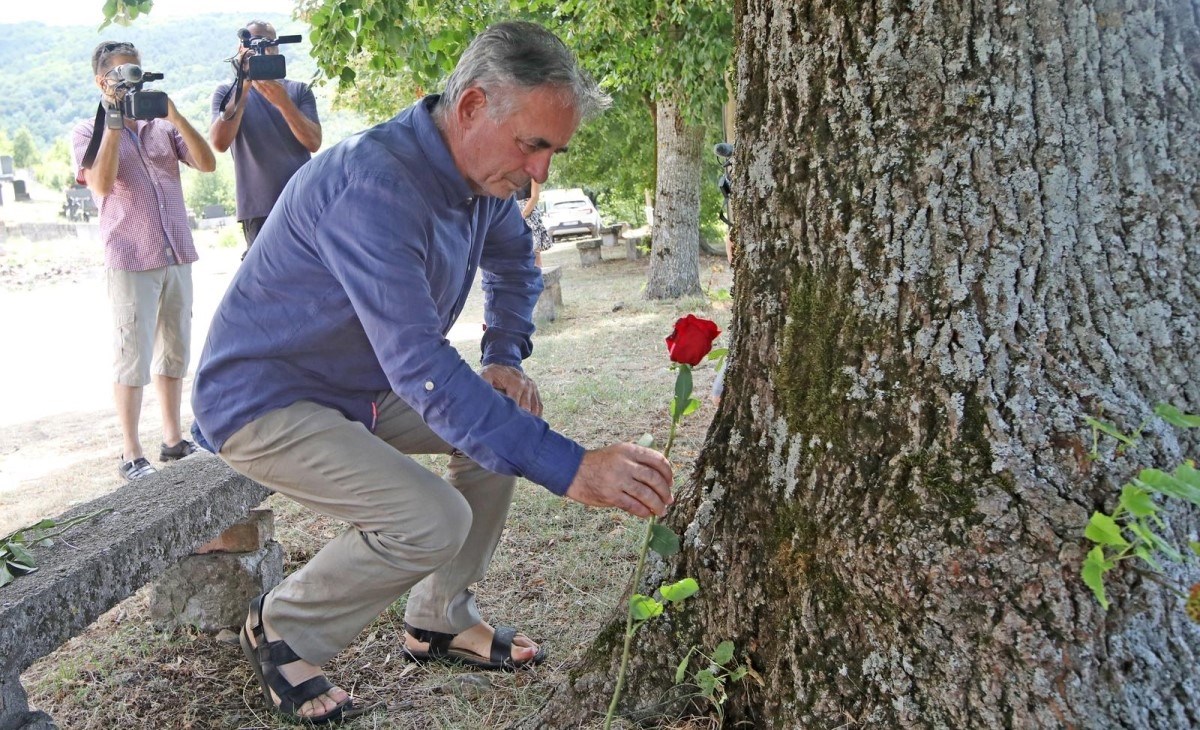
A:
[108,50]
[518,55]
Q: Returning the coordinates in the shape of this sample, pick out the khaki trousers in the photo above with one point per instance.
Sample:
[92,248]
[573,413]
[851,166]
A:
[410,529]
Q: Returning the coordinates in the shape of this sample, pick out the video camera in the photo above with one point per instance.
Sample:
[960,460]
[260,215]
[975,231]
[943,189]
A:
[139,104]
[259,65]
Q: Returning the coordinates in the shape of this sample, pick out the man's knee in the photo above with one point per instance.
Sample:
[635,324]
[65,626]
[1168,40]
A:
[436,536]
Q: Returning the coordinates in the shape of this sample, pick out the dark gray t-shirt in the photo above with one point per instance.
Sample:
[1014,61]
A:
[265,152]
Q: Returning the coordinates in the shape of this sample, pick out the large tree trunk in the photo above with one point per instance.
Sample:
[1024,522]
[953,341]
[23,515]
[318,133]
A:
[675,246]
[962,228]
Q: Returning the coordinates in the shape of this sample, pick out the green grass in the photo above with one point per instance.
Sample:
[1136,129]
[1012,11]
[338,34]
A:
[558,573]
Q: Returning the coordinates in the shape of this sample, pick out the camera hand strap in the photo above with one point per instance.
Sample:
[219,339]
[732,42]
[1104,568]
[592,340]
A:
[97,132]
[235,88]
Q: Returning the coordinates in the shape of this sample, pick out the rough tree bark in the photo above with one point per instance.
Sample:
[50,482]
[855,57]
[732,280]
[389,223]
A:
[675,246]
[962,228]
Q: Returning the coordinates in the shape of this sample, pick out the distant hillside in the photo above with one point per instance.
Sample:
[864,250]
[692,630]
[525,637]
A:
[47,83]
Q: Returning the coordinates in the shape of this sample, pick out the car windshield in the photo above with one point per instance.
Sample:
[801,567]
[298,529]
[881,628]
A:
[573,204]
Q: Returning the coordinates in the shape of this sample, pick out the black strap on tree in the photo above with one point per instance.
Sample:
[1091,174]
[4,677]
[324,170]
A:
[94,145]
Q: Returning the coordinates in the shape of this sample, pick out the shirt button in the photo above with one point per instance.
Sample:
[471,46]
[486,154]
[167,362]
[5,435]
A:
[428,385]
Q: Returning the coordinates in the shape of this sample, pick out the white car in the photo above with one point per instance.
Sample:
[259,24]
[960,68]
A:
[569,213]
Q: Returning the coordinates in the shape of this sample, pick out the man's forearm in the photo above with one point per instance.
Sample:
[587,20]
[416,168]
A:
[103,172]
[307,132]
[225,127]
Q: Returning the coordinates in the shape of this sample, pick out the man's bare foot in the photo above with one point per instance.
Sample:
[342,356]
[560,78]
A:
[478,640]
[298,672]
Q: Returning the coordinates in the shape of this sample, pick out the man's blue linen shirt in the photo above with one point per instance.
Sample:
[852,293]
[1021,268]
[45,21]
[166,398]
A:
[351,286]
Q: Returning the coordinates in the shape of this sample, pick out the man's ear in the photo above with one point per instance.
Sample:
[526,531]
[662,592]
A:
[471,106]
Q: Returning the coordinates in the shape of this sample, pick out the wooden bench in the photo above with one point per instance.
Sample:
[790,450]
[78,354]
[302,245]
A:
[152,524]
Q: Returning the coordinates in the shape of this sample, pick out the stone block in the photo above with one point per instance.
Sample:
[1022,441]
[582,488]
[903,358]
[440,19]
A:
[244,537]
[633,248]
[14,708]
[210,592]
[589,251]
[546,309]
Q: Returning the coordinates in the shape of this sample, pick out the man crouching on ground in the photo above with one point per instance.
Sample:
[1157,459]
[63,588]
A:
[327,362]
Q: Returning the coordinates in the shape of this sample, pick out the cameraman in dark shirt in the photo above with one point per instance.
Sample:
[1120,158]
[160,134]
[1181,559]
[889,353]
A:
[272,129]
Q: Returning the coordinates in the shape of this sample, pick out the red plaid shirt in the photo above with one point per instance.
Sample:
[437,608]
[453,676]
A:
[143,221]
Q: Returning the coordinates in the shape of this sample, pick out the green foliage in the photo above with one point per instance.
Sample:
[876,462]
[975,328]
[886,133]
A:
[213,188]
[190,53]
[25,149]
[56,170]
[714,674]
[663,540]
[16,549]
[1130,531]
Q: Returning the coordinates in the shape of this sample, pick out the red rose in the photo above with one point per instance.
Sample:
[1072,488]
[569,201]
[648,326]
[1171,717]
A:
[691,339]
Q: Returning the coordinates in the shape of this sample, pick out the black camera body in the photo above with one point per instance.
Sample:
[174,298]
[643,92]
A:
[259,65]
[139,103]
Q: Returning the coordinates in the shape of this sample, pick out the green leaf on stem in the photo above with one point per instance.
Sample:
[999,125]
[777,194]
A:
[723,653]
[1145,555]
[679,590]
[5,576]
[644,607]
[1176,417]
[717,353]
[681,670]
[21,554]
[1137,501]
[1150,536]
[737,674]
[683,391]
[1102,530]
[1110,430]
[706,681]
[21,568]
[1163,483]
[663,541]
[691,407]
[1093,574]
[1195,546]
[646,440]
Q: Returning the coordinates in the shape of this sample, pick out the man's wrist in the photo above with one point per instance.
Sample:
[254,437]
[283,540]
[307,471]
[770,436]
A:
[113,118]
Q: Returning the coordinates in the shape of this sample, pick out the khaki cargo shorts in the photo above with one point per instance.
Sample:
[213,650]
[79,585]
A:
[152,323]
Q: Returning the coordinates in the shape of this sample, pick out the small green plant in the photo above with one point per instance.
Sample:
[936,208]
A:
[715,673]
[16,549]
[1129,532]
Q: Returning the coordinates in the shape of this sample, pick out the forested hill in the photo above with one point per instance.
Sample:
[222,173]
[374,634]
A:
[47,82]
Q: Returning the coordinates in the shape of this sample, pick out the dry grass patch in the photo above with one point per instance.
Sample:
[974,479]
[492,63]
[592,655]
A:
[558,573]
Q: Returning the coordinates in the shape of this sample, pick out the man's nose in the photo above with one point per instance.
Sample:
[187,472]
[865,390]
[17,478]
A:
[538,165]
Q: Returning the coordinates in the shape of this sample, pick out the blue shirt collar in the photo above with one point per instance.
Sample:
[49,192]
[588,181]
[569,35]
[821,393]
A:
[433,145]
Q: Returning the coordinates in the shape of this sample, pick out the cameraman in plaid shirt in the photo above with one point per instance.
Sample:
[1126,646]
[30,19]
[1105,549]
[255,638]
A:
[148,252]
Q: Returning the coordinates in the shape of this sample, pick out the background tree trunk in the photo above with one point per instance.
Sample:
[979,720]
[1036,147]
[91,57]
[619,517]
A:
[675,247]
[961,229]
